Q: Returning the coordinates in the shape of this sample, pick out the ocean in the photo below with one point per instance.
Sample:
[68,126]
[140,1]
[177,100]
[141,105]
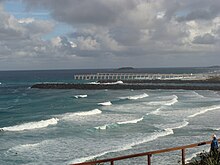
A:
[61,127]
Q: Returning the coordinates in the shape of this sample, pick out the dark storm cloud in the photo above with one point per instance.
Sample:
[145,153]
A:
[84,11]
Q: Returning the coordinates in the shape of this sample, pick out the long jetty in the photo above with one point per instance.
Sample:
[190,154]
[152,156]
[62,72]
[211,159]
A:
[140,76]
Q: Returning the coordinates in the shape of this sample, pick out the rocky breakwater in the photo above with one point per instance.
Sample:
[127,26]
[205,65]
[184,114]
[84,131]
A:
[152,85]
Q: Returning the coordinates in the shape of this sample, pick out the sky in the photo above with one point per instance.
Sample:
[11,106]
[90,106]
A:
[90,34]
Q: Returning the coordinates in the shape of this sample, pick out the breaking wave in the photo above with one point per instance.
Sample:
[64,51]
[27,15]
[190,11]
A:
[108,83]
[117,82]
[106,126]
[105,103]
[135,97]
[198,95]
[84,113]
[167,102]
[215,129]
[204,110]
[113,125]
[32,125]
[131,121]
[80,96]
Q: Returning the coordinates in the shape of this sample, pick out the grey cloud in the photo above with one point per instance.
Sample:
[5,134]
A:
[114,32]
[21,44]
[199,10]
[205,39]
[126,35]
[201,14]
[39,27]
[84,11]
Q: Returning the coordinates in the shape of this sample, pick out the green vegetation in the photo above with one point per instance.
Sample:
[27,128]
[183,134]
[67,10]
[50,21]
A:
[207,159]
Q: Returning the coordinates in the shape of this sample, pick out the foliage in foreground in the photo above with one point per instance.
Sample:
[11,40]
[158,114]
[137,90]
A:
[207,159]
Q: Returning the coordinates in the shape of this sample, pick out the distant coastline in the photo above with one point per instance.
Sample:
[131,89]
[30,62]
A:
[126,68]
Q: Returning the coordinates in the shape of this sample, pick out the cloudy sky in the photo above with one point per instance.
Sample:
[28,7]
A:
[77,34]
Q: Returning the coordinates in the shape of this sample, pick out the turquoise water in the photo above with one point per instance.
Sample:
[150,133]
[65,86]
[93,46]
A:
[68,126]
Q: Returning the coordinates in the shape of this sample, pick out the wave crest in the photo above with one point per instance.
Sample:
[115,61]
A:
[32,125]
[105,103]
[131,121]
[113,125]
[204,110]
[167,102]
[84,113]
[80,96]
[135,97]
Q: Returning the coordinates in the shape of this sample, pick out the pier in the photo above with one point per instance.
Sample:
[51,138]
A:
[140,76]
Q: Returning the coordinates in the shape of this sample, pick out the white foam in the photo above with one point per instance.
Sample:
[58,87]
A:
[204,110]
[195,156]
[215,129]
[131,121]
[105,103]
[198,95]
[84,159]
[156,112]
[108,83]
[104,127]
[152,137]
[135,97]
[80,96]
[112,125]
[172,126]
[95,83]
[117,82]
[84,113]
[24,146]
[167,102]
[181,125]
[32,125]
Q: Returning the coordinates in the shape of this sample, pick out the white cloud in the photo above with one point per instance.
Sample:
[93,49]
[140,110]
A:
[87,43]
[26,20]
[56,41]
